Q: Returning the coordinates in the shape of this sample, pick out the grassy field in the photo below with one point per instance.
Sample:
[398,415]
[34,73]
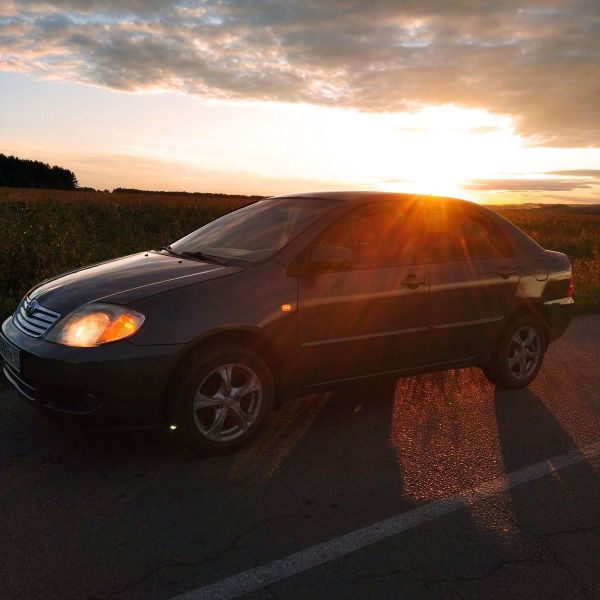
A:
[45,232]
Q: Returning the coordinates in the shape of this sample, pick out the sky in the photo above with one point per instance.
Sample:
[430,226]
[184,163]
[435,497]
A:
[493,101]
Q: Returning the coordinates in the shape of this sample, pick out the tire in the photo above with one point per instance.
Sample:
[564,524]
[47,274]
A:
[223,401]
[519,354]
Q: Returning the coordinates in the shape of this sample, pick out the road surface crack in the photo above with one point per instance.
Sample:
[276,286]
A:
[543,539]
[233,544]
[412,574]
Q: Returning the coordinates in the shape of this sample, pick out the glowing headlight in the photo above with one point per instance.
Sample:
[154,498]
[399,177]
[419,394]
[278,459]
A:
[96,324]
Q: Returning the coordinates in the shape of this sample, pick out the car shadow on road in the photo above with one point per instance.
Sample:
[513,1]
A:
[449,432]
[326,464]
[561,511]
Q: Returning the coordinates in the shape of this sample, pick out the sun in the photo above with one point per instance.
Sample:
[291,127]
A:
[434,150]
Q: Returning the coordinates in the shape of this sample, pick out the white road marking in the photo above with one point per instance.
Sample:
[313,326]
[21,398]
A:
[262,576]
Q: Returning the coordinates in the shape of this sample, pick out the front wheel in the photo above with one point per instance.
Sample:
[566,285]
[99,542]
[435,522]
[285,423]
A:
[519,354]
[223,401]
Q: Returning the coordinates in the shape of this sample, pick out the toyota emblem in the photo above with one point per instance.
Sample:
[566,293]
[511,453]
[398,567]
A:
[30,307]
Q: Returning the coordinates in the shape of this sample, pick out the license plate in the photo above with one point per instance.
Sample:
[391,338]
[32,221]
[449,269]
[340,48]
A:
[10,354]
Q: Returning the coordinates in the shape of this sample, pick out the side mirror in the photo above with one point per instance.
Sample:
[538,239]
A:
[330,258]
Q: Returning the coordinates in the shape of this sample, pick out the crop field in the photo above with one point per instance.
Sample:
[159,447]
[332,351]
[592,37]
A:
[45,232]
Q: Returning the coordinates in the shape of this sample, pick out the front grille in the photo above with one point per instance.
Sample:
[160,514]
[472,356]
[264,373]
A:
[33,319]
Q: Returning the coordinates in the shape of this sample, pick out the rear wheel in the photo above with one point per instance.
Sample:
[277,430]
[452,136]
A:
[519,354]
[223,401]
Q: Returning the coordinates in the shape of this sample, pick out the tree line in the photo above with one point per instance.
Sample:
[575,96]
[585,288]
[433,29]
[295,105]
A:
[18,172]
[121,190]
[24,173]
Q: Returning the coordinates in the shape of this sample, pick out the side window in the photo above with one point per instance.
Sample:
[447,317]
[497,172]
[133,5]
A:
[437,241]
[453,233]
[376,237]
[480,238]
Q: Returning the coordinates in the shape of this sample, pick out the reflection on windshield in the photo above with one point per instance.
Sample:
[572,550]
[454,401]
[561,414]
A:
[257,231]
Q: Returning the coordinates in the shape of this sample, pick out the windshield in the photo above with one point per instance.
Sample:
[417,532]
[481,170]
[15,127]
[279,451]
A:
[255,232]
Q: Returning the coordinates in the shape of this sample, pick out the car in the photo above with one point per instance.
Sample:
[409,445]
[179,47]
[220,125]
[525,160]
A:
[286,296]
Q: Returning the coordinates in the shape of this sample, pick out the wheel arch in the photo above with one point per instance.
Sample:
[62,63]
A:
[539,312]
[248,337]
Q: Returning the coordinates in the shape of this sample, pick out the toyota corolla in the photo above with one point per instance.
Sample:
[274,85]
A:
[288,295]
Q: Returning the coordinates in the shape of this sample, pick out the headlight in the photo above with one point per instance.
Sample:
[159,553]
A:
[96,324]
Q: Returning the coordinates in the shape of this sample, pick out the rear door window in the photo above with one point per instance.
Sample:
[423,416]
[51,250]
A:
[447,233]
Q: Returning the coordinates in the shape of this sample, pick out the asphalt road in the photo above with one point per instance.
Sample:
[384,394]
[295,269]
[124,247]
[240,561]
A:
[130,516]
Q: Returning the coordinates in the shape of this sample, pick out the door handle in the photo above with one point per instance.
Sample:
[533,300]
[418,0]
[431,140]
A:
[505,272]
[412,282]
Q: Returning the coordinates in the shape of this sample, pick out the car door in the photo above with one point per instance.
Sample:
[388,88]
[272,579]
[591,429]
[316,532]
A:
[473,278]
[370,315]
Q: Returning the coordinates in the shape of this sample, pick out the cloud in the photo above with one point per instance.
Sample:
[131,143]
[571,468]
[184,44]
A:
[537,62]
[523,185]
[577,173]
[395,180]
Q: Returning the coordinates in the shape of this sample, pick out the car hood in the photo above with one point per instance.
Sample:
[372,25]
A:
[124,280]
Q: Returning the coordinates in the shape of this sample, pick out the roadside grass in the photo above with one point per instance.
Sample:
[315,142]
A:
[46,232]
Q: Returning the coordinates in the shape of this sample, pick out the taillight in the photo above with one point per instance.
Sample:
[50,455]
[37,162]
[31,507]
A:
[571,287]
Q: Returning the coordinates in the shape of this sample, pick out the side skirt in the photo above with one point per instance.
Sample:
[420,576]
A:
[396,374]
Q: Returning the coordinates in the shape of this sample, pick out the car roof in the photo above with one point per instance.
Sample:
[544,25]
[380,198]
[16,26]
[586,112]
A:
[520,241]
[361,197]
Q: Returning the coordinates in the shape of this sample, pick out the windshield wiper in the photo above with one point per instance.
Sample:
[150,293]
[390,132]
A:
[203,256]
[169,250]
[196,256]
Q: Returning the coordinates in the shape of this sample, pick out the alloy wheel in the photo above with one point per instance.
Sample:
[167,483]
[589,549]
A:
[227,402]
[524,352]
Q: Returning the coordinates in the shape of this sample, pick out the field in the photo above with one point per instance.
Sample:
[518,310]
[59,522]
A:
[45,232]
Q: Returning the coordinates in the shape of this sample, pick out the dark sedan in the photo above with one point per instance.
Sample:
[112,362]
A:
[287,295]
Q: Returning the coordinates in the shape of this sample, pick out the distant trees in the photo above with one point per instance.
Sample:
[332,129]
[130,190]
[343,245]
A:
[121,190]
[17,172]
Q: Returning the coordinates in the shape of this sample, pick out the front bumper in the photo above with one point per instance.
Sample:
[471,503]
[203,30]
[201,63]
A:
[115,384]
